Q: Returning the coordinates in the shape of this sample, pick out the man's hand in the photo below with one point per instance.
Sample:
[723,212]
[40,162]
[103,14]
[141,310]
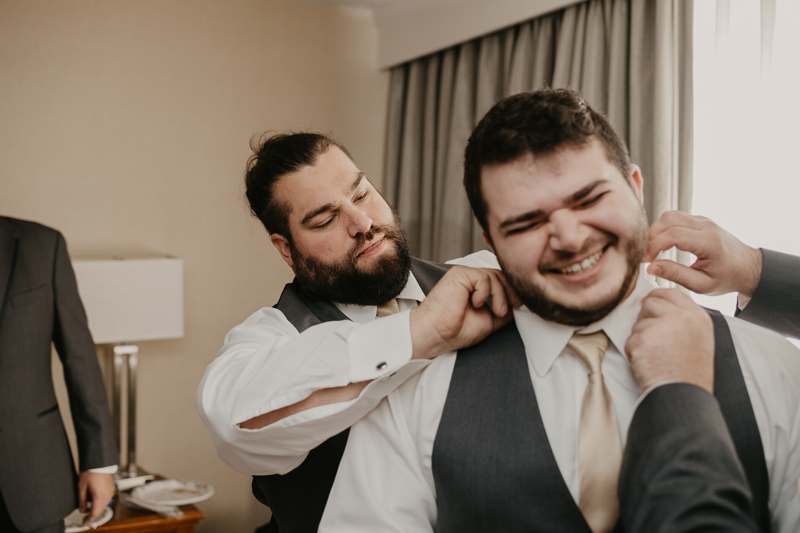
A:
[673,339]
[455,314]
[724,263]
[100,487]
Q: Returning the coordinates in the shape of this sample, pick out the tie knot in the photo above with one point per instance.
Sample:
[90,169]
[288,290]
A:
[388,308]
[590,349]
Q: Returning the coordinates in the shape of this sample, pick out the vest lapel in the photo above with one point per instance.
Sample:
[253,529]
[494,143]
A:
[304,310]
[428,274]
[734,401]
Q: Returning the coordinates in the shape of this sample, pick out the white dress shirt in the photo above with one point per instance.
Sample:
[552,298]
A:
[385,482]
[265,364]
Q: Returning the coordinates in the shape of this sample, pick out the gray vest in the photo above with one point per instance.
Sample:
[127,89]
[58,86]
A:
[493,466]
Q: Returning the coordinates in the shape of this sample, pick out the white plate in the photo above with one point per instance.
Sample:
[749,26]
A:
[73,522]
[173,492]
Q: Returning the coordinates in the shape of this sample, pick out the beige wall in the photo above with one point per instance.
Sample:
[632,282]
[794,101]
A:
[125,124]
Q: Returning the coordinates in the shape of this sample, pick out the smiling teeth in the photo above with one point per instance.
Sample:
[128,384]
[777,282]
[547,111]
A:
[589,262]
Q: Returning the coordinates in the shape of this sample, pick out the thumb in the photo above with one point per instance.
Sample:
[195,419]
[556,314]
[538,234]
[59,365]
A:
[681,274]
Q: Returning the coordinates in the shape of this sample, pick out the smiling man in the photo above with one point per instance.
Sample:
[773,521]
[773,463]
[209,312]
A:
[290,380]
[587,236]
[525,431]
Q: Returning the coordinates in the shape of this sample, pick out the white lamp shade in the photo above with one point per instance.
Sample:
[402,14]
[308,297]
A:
[130,300]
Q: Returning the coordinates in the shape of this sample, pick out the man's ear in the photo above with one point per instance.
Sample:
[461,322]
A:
[635,176]
[487,239]
[284,248]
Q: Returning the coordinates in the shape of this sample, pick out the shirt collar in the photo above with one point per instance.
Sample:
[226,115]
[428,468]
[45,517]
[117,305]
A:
[367,313]
[544,340]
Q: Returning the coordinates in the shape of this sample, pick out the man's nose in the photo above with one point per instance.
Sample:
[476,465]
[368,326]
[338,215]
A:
[358,222]
[565,231]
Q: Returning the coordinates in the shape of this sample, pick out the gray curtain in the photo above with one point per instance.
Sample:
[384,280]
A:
[631,59]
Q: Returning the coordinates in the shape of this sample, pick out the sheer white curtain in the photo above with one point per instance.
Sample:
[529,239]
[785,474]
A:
[747,122]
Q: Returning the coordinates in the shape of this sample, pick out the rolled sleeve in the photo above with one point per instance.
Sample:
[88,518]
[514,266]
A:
[266,364]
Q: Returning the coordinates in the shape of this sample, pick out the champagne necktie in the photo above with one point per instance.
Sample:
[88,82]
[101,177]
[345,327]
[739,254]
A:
[388,308]
[599,442]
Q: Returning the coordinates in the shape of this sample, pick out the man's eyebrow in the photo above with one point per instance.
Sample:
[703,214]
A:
[525,217]
[586,191]
[330,205]
[315,212]
[538,213]
[357,182]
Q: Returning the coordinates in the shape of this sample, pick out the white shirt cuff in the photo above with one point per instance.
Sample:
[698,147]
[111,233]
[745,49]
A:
[380,348]
[104,470]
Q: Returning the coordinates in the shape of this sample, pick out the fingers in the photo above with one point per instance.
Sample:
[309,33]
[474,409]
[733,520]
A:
[687,232]
[692,240]
[685,276]
[102,491]
[673,339]
[486,283]
[674,297]
[662,302]
[97,510]
[100,487]
[83,485]
[670,219]
[454,314]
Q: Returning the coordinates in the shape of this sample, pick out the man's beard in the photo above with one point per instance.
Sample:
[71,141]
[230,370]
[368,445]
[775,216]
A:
[533,297]
[345,283]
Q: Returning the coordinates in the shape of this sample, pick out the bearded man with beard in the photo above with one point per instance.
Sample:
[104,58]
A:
[291,379]
[525,431]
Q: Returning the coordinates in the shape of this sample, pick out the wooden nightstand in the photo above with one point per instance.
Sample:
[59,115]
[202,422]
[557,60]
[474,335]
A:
[129,520]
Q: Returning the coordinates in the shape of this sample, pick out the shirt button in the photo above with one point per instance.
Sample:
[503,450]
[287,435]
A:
[381,366]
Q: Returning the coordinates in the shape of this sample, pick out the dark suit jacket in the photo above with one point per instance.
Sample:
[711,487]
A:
[776,302]
[678,429]
[680,471]
[39,304]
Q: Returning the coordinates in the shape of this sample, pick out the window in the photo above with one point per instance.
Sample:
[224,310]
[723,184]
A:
[747,123]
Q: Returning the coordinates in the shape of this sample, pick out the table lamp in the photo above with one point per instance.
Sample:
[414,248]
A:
[129,300]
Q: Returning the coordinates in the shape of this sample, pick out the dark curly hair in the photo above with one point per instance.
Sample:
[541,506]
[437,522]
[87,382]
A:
[274,157]
[538,123]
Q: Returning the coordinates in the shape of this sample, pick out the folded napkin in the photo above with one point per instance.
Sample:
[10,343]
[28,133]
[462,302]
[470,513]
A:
[170,511]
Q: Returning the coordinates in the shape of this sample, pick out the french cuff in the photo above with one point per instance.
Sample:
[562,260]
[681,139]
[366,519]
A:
[380,347]
[104,470]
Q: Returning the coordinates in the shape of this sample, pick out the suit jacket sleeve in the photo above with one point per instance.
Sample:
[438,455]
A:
[680,471]
[776,302]
[87,395]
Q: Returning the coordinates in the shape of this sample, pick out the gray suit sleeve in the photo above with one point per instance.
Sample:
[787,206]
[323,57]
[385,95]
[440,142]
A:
[680,471]
[776,302]
[87,394]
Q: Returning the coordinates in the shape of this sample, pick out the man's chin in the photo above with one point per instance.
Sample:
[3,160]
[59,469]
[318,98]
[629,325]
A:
[573,309]
[575,316]
[354,282]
